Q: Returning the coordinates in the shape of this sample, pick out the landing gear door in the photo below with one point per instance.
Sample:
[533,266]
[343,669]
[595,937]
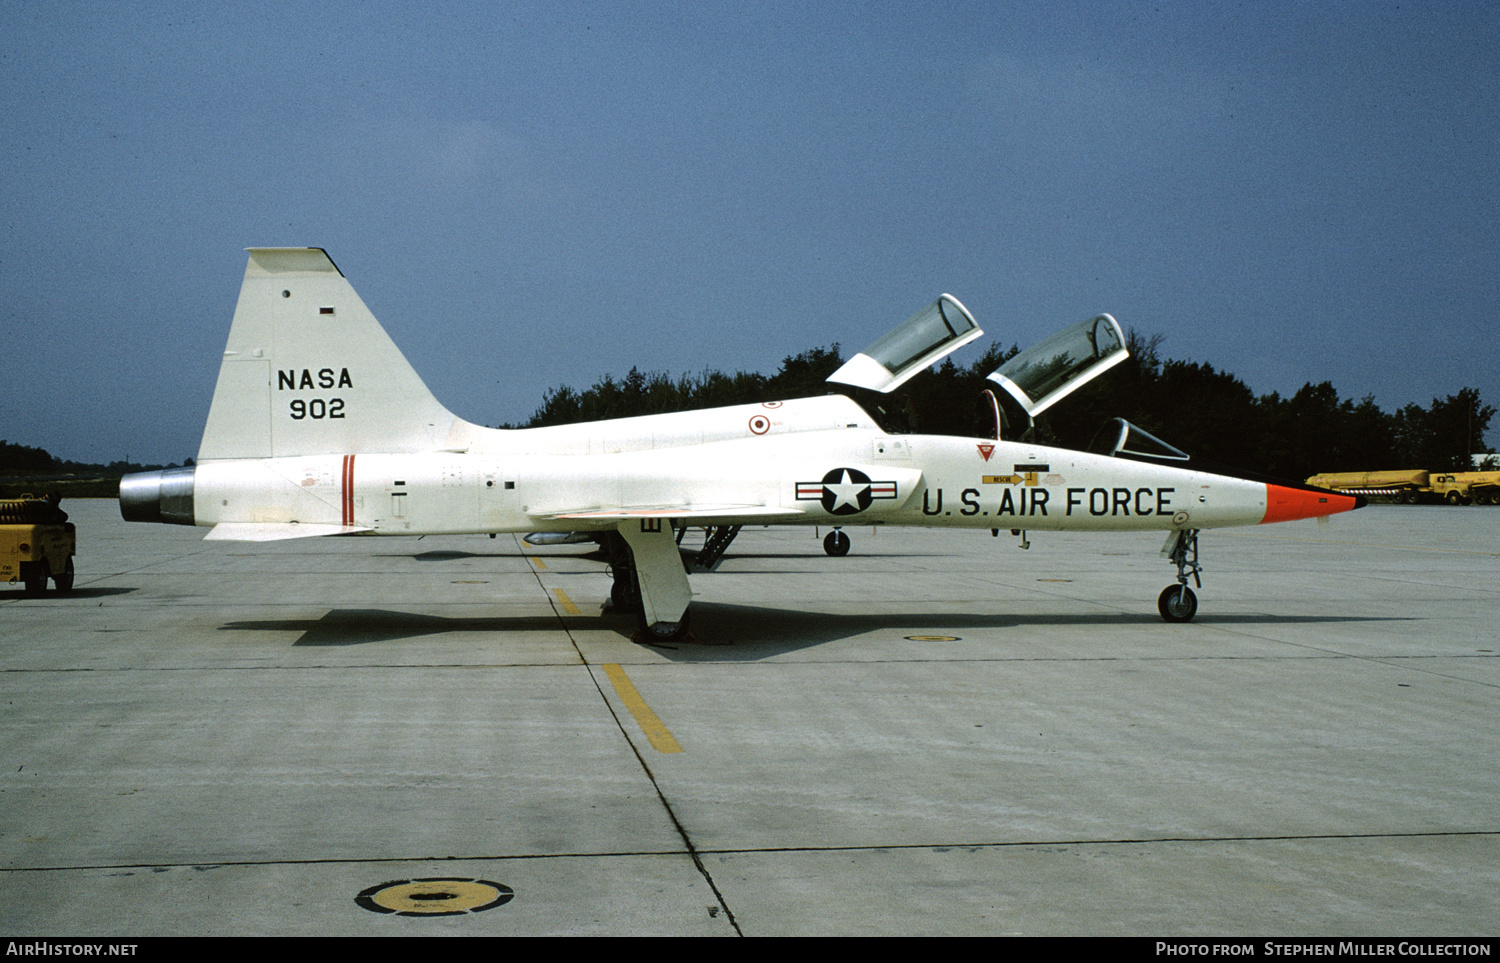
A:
[1045,373]
[921,340]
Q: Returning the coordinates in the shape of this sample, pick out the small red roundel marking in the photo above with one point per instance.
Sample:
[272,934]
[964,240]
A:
[760,424]
[770,404]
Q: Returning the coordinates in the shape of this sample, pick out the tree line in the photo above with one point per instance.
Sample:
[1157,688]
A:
[1207,413]
[26,460]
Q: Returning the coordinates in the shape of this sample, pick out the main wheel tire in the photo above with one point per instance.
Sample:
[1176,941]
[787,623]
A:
[65,580]
[1177,603]
[625,595]
[660,632]
[836,543]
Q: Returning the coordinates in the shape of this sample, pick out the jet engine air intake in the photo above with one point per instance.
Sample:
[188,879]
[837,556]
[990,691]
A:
[158,496]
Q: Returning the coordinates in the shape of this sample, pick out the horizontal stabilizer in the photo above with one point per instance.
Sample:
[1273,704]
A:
[275,531]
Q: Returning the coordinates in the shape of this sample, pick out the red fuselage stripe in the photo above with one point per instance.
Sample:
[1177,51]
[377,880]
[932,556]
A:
[348,490]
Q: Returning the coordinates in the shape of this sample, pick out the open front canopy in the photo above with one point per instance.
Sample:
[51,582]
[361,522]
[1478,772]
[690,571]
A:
[1045,373]
[1119,438]
[923,339]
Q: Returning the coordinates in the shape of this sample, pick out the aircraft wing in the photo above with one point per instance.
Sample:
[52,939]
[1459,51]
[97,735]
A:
[839,491]
[747,513]
[275,531]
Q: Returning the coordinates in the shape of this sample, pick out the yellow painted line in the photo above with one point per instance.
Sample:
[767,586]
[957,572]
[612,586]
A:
[565,602]
[658,734]
[537,562]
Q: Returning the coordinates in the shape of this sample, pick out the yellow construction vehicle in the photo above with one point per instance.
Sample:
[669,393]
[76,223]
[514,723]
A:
[37,543]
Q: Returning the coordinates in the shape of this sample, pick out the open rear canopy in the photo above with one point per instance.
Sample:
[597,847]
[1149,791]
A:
[921,340]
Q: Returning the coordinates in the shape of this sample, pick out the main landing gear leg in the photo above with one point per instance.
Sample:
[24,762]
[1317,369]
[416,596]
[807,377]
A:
[624,591]
[1177,603]
[663,583]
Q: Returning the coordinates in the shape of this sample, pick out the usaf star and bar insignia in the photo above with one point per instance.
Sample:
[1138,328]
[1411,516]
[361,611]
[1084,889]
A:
[845,491]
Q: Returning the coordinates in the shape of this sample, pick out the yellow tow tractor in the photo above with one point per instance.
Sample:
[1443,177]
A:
[37,543]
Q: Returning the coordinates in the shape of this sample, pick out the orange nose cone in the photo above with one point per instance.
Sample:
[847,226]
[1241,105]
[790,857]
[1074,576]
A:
[1285,504]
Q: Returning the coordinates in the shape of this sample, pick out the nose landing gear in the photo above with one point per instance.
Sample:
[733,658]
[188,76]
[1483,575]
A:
[1177,603]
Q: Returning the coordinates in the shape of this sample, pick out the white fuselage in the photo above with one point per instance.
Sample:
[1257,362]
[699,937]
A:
[818,461]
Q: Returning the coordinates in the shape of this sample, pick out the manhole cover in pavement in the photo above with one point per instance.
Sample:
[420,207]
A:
[434,896]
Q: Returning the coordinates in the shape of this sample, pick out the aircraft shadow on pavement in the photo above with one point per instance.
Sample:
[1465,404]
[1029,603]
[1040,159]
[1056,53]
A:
[448,555]
[361,626]
[749,633]
[851,557]
[445,555]
[729,633]
[18,591]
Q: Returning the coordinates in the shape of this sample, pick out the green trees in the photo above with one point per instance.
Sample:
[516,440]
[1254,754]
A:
[23,460]
[800,376]
[1215,416]
[1443,436]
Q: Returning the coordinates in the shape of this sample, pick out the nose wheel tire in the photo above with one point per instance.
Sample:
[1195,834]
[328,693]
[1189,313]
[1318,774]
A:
[836,543]
[1177,603]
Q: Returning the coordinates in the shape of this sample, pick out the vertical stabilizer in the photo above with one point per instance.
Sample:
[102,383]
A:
[309,371]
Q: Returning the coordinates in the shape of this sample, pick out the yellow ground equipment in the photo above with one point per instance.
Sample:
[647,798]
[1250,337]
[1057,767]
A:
[1465,487]
[1399,486]
[1455,488]
[37,543]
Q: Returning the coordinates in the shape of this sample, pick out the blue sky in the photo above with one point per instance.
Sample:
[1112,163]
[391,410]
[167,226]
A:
[531,194]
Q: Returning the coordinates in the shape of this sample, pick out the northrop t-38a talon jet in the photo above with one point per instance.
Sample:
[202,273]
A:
[319,426]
